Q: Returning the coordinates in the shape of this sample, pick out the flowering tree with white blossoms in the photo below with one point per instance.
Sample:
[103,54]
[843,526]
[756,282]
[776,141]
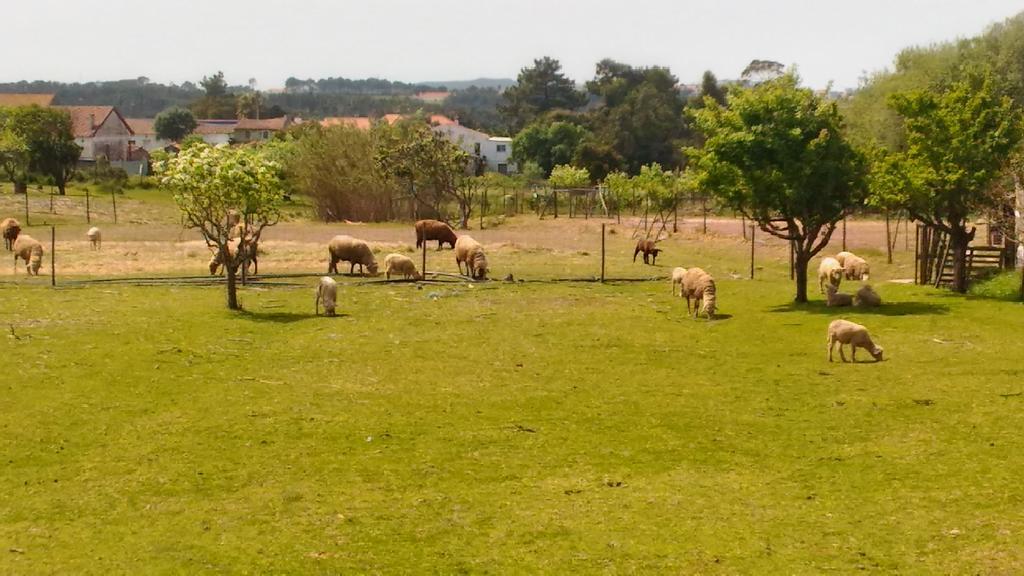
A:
[211,184]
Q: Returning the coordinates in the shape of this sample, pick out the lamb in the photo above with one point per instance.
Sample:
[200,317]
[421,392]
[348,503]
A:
[835,298]
[31,251]
[351,250]
[471,252]
[435,230]
[10,228]
[326,291]
[677,278]
[400,264]
[829,271]
[855,268]
[846,332]
[699,285]
[95,237]
[867,297]
[648,249]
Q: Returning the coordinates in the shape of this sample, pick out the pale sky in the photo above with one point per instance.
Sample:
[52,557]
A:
[420,40]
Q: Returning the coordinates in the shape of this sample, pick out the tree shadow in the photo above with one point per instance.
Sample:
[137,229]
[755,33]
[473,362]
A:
[886,309]
[281,317]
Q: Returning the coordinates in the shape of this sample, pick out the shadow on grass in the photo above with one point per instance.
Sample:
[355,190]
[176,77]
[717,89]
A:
[281,317]
[886,309]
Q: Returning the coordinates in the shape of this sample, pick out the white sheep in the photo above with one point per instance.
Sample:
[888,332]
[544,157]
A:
[836,298]
[344,248]
[677,280]
[216,261]
[95,237]
[830,271]
[10,228]
[31,251]
[700,286]
[471,252]
[327,292]
[867,296]
[841,257]
[846,332]
[855,268]
[399,264]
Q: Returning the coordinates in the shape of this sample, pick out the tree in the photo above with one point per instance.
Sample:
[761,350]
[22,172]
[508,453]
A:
[174,124]
[14,152]
[548,144]
[709,88]
[565,176]
[47,135]
[217,102]
[777,154]
[957,142]
[759,71]
[250,105]
[210,182]
[215,86]
[539,89]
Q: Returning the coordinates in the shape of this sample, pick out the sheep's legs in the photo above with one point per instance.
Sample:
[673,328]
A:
[841,353]
[853,351]
[831,346]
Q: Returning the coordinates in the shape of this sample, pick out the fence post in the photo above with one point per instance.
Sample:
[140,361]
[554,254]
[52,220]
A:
[917,254]
[423,264]
[113,198]
[554,193]
[26,207]
[889,241]
[51,201]
[704,210]
[751,251]
[88,218]
[53,256]
[602,252]
[844,234]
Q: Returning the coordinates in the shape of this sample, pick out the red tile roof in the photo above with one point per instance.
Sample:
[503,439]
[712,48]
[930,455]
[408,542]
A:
[141,126]
[9,99]
[215,126]
[268,124]
[86,119]
[361,122]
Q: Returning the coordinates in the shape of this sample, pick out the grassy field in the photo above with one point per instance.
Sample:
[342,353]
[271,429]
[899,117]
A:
[527,427]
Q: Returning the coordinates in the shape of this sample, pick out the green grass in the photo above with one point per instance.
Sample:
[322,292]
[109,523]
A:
[507,428]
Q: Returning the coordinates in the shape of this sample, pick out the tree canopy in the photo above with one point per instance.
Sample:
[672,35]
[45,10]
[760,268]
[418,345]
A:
[539,89]
[174,124]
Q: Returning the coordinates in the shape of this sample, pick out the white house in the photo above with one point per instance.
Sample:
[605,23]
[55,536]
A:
[495,152]
[212,132]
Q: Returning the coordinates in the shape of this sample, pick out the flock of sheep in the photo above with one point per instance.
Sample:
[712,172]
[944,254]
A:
[694,284]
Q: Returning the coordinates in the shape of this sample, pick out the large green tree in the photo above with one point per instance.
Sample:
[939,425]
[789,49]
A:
[548,144]
[174,124]
[539,89]
[14,152]
[958,140]
[47,136]
[777,154]
[217,102]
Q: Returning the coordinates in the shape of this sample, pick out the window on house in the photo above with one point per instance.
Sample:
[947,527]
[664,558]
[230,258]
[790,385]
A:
[502,168]
[266,134]
[501,148]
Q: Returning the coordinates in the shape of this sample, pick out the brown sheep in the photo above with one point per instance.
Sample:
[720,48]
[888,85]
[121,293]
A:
[435,230]
[867,297]
[648,249]
[10,228]
[344,248]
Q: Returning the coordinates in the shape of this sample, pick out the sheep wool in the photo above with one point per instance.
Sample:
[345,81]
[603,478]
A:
[95,237]
[648,249]
[836,298]
[399,264]
[31,251]
[435,230]
[344,248]
[326,292]
[841,257]
[830,271]
[10,228]
[677,280]
[867,297]
[700,286]
[846,332]
[856,268]
[471,252]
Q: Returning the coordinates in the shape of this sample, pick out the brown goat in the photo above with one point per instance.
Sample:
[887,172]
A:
[435,230]
[648,249]
[11,228]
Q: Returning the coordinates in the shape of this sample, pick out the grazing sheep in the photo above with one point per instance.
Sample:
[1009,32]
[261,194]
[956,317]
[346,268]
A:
[855,268]
[841,257]
[234,218]
[830,271]
[31,251]
[435,230]
[846,332]
[351,250]
[867,297]
[699,285]
[836,298]
[10,228]
[216,261]
[677,279]
[326,291]
[648,248]
[471,252]
[399,264]
[95,237]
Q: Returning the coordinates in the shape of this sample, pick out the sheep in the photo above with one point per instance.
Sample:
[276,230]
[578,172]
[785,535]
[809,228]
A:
[846,332]
[400,264]
[829,271]
[648,249]
[326,291]
[435,230]
[10,228]
[234,218]
[855,268]
[31,251]
[351,250]
[867,297]
[216,261]
[95,237]
[842,256]
[471,252]
[699,285]
[836,299]
[677,278]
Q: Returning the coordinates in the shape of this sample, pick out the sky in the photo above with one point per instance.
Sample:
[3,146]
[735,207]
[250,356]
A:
[436,40]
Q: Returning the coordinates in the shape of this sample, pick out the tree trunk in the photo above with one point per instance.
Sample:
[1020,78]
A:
[800,261]
[958,241]
[230,270]
[21,187]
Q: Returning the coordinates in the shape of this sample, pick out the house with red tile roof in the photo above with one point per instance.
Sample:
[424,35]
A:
[213,132]
[101,131]
[250,130]
[361,122]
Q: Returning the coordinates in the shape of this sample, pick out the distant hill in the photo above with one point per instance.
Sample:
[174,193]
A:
[479,83]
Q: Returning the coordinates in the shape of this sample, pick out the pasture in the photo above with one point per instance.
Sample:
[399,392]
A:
[526,427]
